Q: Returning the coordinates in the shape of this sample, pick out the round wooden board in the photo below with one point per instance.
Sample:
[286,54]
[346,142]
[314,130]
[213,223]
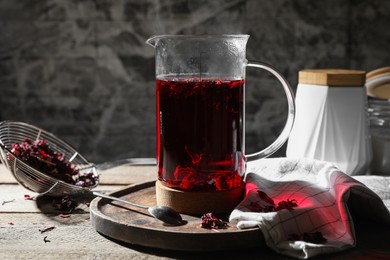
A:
[135,226]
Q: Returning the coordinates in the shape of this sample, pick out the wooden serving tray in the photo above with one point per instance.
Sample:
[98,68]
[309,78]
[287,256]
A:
[132,225]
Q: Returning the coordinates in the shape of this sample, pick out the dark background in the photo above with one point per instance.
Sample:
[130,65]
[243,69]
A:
[81,68]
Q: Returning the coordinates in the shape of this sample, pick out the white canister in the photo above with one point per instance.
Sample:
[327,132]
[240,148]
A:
[331,121]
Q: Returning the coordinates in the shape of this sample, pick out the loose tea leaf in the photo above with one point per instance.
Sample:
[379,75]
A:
[46,229]
[310,237]
[294,237]
[269,204]
[40,156]
[265,197]
[287,204]
[28,197]
[7,201]
[210,221]
[315,237]
[65,205]
[256,207]
[45,239]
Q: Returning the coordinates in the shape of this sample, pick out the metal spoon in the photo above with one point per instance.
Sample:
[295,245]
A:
[165,214]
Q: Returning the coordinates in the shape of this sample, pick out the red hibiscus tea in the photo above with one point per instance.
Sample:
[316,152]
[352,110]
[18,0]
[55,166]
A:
[200,143]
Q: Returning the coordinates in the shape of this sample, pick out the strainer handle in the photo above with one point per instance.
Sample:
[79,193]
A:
[118,199]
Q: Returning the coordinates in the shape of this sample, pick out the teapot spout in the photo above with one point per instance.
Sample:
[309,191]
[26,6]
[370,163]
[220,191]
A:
[152,41]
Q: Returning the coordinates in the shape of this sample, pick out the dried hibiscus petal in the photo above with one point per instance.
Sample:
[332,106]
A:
[210,221]
[311,237]
[270,205]
[64,204]
[265,197]
[40,156]
[315,237]
[86,180]
[28,197]
[256,207]
[287,204]
[46,229]
[294,237]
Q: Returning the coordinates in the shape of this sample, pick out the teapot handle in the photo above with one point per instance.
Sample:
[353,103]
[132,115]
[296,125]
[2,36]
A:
[282,138]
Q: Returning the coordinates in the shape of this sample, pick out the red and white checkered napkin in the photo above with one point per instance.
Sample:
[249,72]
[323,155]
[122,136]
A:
[324,197]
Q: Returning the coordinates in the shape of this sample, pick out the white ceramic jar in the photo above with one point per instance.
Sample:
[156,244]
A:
[331,121]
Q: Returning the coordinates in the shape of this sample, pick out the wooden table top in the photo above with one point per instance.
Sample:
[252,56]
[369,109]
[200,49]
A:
[74,237]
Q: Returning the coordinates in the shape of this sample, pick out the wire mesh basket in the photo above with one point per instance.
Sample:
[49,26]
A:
[32,178]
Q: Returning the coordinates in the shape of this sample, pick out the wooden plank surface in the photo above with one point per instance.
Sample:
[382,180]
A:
[125,175]
[118,175]
[72,238]
[75,238]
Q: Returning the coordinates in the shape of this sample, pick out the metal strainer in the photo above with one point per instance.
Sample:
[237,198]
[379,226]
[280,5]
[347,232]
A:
[31,178]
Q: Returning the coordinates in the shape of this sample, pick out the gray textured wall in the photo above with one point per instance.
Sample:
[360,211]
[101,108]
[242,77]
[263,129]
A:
[81,69]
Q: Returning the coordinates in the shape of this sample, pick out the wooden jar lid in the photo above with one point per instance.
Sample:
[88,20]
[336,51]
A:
[378,83]
[385,71]
[333,77]
[380,91]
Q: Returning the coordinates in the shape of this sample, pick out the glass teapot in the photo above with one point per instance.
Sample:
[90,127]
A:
[200,111]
